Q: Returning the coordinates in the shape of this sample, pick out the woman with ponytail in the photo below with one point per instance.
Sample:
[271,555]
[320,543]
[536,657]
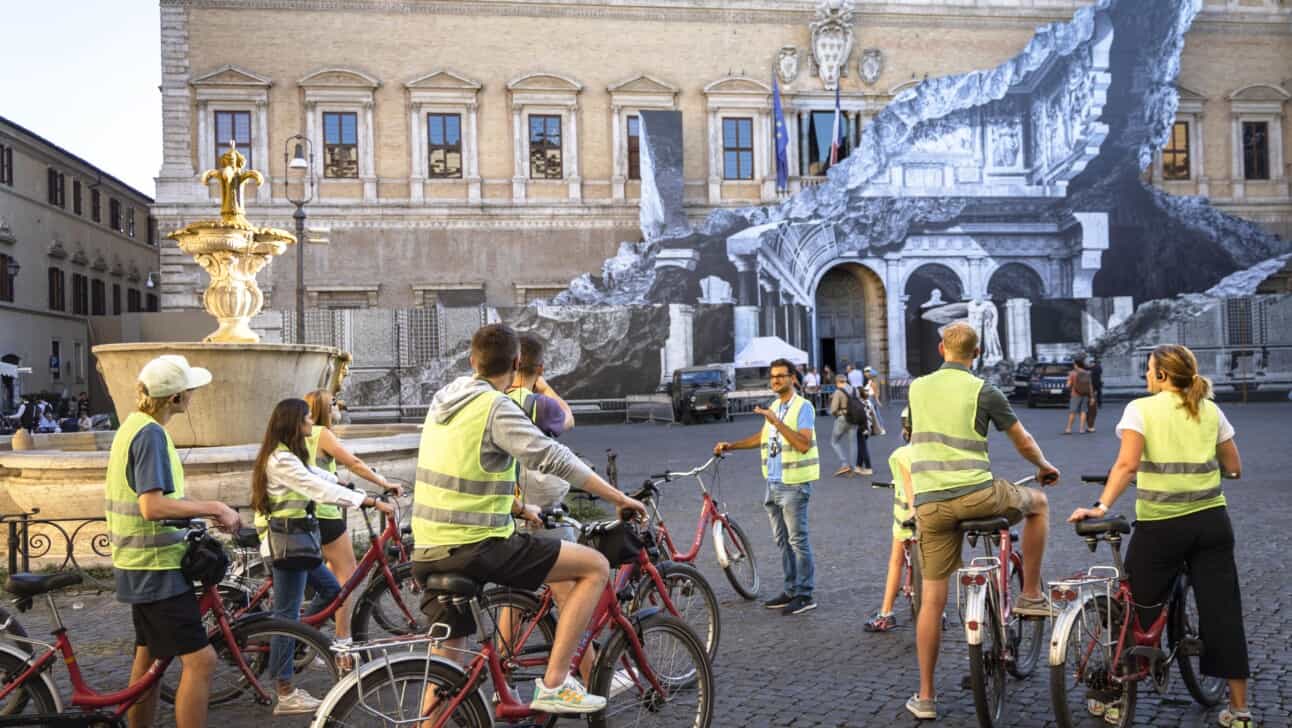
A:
[1178,443]
[283,485]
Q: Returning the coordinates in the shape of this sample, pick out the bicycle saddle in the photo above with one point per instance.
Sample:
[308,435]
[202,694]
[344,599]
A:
[648,490]
[1098,526]
[984,525]
[453,584]
[30,585]
[247,538]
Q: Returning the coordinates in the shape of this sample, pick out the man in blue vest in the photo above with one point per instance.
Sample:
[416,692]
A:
[787,442]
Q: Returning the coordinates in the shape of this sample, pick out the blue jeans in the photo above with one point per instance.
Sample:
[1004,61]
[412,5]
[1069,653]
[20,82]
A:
[787,508]
[289,592]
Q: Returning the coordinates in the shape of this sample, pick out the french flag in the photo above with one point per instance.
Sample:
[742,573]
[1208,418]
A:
[837,133]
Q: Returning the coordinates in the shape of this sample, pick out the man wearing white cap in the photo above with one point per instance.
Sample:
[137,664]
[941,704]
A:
[145,484]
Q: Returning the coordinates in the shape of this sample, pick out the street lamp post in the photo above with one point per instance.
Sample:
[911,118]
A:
[297,154]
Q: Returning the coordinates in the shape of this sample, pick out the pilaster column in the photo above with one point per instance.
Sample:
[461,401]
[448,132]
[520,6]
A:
[895,312]
[573,179]
[264,192]
[518,151]
[679,348]
[618,155]
[417,161]
[367,157]
[1018,329]
[472,152]
[715,157]
[176,180]
[745,314]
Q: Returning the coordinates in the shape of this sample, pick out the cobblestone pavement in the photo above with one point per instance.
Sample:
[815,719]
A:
[820,669]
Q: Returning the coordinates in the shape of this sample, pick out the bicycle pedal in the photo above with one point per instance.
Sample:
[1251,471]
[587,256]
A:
[1191,647]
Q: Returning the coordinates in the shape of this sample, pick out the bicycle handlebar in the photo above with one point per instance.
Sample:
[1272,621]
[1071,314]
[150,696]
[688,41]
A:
[690,473]
[1099,479]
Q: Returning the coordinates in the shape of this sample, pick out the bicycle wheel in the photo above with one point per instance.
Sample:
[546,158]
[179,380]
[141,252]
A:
[742,565]
[15,629]
[987,668]
[393,697]
[1183,637]
[1088,667]
[678,660]
[31,698]
[693,598]
[313,668]
[377,609]
[1025,635]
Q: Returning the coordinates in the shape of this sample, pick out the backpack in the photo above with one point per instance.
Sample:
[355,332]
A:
[1083,385]
[29,417]
[857,413]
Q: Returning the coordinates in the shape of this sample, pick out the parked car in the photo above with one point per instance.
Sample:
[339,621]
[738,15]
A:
[699,392]
[1022,378]
[1049,384]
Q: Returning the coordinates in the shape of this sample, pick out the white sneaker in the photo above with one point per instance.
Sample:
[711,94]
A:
[569,698]
[620,683]
[297,702]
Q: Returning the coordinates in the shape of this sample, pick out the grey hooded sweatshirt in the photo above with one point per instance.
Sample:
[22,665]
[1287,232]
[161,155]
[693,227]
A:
[509,436]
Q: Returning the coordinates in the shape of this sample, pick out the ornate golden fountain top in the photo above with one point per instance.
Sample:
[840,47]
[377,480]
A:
[232,250]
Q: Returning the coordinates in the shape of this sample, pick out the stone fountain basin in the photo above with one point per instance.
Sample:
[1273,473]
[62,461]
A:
[247,381]
[65,476]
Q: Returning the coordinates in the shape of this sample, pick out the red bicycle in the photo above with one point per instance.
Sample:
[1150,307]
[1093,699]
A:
[29,695]
[1100,651]
[735,555]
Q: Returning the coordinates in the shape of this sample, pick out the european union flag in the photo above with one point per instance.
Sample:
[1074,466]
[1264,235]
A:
[782,139]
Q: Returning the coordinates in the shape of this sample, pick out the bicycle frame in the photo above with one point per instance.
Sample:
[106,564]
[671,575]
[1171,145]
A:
[974,579]
[85,697]
[710,517]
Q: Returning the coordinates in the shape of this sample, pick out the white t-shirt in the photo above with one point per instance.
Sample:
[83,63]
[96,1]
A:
[1133,420]
[856,378]
[811,380]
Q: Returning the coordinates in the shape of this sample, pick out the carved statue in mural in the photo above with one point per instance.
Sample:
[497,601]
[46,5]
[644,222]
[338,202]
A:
[983,317]
[1006,136]
[870,66]
[935,299]
[787,64]
[832,38]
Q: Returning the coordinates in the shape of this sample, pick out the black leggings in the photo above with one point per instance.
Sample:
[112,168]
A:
[1205,541]
[863,452]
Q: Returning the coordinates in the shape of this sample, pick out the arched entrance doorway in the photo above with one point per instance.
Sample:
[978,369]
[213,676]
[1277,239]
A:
[930,285]
[1014,280]
[850,324]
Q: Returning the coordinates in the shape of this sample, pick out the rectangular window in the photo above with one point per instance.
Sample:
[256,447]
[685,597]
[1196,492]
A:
[737,148]
[76,196]
[233,126]
[444,146]
[7,275]
[152,303]
[98,298]
[95,213]
[130,221]
[80,295]
[815,156]
[1256,150]
[57,297]
[6,164]
[114,214]
[340,144]
[152,230]
[545,147]
[133,301]
[57,191]
[55,359]
[116,299]
[634,148]
[1175,155]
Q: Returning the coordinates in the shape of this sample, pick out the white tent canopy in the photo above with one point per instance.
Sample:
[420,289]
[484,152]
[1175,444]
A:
[763,350]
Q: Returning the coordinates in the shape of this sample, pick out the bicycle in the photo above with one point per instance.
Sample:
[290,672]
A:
[912,585]
[999,640]
[389,690]
[1100,651]
[26,680]
[735,555]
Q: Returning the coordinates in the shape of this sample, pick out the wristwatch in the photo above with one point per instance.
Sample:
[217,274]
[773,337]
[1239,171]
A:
[1100,506]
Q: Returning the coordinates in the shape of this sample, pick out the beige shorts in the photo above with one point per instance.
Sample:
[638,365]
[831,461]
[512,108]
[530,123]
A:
[939,535]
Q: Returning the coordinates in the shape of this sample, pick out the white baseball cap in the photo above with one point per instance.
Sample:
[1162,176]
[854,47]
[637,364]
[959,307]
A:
[170,374]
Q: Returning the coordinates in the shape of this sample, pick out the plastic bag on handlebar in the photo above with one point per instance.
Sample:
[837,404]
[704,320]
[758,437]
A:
[205,561]
[618,541]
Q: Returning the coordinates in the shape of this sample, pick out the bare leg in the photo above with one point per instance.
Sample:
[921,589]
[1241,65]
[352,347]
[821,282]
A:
[1036,529]
[1071,416]
[143,712]
[1083,421]
[586,571]
[895,564]
[1238,695]
[450,650]
[561,595]
[928,633]
[194,688]
[340,561]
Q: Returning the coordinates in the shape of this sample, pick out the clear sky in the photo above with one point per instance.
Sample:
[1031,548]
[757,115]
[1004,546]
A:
[84,75]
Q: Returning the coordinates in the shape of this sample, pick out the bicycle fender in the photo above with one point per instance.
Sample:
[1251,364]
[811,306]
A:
[352,679]
[975,614]
[641,615]
[1063,624]
[45,677]
[720,545]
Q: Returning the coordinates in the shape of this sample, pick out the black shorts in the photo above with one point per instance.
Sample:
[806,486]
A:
[519,561]
[330,529]
[170,627]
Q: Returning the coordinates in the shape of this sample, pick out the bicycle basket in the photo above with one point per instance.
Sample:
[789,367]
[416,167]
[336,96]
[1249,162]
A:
[618,541]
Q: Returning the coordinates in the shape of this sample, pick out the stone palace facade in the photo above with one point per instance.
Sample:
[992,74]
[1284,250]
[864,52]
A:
[488,151]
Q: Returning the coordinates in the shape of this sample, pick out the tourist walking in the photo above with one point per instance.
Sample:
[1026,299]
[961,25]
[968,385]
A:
[950,412]
[863,466]
[790,464]
[465,502]
[326,451]
[145,484]
[856,378]
[1080,387]
[842,435]
[812,387]
[285,491]
[1177,443]
[1097,397]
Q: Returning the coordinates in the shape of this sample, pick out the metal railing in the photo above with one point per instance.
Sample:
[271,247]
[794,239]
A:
[57,541]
